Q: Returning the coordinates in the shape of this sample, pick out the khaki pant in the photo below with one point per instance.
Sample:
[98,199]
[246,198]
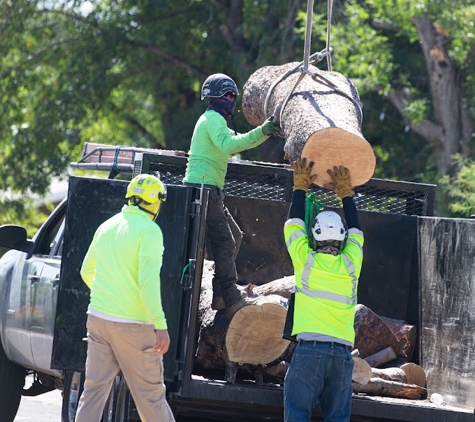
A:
[114,346]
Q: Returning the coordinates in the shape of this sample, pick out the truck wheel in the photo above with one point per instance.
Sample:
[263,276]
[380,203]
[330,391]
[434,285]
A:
[12,381]
[73,387]
[123,400]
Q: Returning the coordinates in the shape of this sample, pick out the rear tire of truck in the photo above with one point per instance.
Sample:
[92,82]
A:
[12,381]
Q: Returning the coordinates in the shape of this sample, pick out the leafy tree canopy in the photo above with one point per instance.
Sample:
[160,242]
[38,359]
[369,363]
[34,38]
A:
[129,72]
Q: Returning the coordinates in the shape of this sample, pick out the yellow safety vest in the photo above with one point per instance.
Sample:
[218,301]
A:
[325,285]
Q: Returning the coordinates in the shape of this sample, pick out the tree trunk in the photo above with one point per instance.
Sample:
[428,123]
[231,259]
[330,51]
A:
[373,335]
[321,119]
[250,340]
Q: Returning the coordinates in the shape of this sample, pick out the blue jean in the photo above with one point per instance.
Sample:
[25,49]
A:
[319,370]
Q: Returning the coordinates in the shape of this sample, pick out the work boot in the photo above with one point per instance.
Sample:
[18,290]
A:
[218,302]
[231,310]
[233,300]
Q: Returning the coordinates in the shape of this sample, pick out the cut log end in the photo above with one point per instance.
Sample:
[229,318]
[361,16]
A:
[336,147]
[254,335]
[415,374]
[361,371]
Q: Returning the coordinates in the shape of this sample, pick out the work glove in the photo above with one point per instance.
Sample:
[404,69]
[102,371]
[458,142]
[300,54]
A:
[302,178]
[271,128]
[341,182]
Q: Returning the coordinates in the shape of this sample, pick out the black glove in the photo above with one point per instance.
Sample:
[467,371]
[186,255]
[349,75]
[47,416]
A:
[271,128]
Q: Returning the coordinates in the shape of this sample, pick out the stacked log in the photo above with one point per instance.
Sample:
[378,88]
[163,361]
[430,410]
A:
[251,343]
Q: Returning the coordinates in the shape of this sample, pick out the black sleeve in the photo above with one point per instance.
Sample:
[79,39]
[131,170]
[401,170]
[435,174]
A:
[297,206]
[351,213]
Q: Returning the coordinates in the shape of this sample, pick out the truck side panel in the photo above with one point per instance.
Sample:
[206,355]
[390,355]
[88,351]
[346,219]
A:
[447,256]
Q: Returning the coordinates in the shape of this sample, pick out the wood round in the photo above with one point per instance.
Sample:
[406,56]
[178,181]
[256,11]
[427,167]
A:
[361,371]
[336,147]
[254,335]
[415,374]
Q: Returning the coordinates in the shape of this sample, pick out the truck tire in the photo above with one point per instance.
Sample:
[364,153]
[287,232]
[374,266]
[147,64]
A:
[73,387]
[12,381]
[123,400]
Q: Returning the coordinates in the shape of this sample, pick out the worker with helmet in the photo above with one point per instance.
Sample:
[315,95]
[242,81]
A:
[126,325]
[324,301]
[212,144]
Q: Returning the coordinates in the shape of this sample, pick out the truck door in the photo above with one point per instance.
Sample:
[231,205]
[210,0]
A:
[91,202]
[26,298]
[44,294]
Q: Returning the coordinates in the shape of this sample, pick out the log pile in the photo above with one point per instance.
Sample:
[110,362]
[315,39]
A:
[251,344]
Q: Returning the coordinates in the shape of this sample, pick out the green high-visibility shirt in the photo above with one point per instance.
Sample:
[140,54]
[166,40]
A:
[211,146]
[122,268]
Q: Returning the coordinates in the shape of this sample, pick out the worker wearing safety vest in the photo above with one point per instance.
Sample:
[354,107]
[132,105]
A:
[212,144]
[325,297]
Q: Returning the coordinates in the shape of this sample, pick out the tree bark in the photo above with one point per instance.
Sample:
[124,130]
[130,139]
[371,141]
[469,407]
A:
[251,340]
[382,387]
[321,119]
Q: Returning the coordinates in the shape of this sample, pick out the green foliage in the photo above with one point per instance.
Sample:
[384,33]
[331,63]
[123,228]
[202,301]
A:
[130,72]
[461,189]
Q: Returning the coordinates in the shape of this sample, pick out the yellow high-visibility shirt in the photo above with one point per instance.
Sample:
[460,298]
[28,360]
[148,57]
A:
[325,285]
[122,268]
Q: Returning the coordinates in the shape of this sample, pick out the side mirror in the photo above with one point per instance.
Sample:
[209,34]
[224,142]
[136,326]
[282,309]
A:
[14,237]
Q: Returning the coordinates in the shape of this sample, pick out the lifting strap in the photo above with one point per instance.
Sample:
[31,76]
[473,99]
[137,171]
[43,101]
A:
[312,208]
[303,67]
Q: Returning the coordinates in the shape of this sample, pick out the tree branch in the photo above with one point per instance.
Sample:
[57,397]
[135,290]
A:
[171,58]
[429,130]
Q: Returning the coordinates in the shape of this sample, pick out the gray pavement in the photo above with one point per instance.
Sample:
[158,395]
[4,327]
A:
[43,408]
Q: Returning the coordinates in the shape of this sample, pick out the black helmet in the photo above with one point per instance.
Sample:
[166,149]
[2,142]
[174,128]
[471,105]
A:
[217,85]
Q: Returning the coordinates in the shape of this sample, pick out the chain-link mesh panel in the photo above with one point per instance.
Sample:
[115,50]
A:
[274,182]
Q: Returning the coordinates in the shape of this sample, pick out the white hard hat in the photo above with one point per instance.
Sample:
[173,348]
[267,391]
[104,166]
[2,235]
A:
[328,225]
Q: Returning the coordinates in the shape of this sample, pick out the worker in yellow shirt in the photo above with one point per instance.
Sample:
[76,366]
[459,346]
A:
[126,326]
[325,294]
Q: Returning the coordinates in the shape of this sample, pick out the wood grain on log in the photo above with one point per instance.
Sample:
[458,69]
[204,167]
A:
[254,334]
[321,120]
[362,372]
[415,374]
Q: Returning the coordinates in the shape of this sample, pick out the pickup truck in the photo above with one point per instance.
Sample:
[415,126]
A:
[417,268]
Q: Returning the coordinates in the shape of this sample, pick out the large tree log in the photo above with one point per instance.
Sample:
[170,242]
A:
[321,119]
[251,340]
[373,335]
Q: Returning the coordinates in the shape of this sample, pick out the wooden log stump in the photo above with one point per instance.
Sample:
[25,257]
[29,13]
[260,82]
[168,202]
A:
[321,120]
[251,340]
[254,334]
[373,335]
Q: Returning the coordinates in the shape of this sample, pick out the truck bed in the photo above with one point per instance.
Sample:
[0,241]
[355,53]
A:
[248,401]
